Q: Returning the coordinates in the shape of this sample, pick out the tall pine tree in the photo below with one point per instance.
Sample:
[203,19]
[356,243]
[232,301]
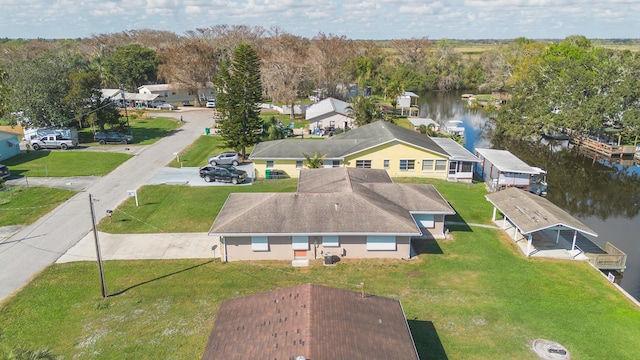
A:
[239,96]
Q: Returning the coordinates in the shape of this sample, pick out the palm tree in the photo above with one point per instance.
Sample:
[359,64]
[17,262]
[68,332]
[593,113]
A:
[316,161]
[365,110]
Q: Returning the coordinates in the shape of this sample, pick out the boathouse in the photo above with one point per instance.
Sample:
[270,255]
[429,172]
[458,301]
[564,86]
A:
[550,231]
[501,169]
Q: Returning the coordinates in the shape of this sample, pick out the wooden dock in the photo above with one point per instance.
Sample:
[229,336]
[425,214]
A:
[612,258]
[601,148]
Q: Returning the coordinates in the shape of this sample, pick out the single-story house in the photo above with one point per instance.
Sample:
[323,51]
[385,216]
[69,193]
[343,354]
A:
[357,213]
[9,145]
[417,122]
[378,145]
[173,94]
[311,322]
[139,100]
[328,113]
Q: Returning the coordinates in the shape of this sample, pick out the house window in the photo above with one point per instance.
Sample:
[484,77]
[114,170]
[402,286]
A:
[427,165]
[467,167]
[406,165]
[330,241]
[269,164]
[331,163]
[259,243]
[441,165]
[363,164]
[166,94]
[375,243]
[386,164]
[300,242]
[299,164]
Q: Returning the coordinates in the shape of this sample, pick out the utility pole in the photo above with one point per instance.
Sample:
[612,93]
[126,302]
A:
[124,103]
[98,254]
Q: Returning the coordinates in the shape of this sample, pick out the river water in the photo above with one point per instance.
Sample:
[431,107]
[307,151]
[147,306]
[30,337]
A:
[605,196]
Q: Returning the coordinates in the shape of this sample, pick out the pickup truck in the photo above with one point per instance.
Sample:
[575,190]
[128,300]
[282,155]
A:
[52,142]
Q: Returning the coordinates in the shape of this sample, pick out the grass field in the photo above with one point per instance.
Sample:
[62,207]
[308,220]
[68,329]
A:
[24,205]
[59,163]
[145,130]
[473,297]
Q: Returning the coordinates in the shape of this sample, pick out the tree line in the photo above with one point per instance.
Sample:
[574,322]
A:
[571,83]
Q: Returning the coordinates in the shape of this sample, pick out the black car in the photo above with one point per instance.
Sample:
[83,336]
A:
[223,173]
[112,137]
[4,171]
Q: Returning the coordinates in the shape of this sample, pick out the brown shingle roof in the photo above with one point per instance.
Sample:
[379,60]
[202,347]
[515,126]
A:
[313,321]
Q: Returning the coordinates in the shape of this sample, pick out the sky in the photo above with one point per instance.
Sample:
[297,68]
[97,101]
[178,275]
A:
[355,19]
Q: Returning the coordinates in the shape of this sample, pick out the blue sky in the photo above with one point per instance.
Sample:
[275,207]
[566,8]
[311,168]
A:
[356,19]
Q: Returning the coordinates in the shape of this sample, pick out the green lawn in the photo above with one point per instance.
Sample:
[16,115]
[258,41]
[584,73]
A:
[197,154]
[177,208]
[145,130]
[473,297]
[64,163]
[22,206]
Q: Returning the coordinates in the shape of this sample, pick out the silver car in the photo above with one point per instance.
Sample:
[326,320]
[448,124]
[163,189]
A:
[226,158]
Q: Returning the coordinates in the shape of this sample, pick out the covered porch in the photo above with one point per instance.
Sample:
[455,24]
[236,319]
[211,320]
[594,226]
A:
[539,227]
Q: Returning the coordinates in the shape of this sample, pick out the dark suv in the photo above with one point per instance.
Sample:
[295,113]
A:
[112,137]
[4,171]
[223,173]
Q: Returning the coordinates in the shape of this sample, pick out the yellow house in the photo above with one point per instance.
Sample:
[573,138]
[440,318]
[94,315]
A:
[379,145]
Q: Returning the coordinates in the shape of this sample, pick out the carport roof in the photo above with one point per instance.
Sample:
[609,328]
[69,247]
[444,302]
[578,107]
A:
[531,213]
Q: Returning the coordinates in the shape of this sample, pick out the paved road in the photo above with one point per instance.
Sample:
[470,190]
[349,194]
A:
[35,247]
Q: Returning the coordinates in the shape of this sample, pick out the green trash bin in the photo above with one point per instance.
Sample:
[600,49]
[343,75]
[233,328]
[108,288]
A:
[267,174]
[207,131]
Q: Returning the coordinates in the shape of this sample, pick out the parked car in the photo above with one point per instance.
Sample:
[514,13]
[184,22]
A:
[187,103]
[226,158]
[52,141]
[223,173]
[211,103]
[112,137]
[167,106]
[4,171]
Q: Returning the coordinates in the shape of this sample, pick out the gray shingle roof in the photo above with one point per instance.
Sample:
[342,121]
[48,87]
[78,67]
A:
[531,213]
[363,202]
[326,107]
[313,321]
[346,143]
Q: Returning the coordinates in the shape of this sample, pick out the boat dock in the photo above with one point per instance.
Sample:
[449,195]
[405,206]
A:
[599,147]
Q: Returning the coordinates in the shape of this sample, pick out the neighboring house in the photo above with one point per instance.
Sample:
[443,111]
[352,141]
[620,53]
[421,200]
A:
[357,213]
[9,145]
[501,169]
[310,322]
[329,113]
[417,122]
[173,94]
[405,102]
[379,145]
[139,100]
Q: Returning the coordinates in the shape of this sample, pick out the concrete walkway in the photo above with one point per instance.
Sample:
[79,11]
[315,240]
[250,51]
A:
[143,247]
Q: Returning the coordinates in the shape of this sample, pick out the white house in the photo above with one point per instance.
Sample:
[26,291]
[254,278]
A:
[329,113]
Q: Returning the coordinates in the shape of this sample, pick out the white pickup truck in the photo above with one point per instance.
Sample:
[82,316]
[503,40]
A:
[52,141]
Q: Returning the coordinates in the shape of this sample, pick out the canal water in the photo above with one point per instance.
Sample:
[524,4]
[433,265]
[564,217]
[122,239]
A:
[604,195]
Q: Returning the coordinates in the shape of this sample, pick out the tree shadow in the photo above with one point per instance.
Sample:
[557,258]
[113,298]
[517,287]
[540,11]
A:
[427,340]
[159,278]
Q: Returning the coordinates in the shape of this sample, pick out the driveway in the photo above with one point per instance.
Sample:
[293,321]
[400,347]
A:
[34,247]
[189,176]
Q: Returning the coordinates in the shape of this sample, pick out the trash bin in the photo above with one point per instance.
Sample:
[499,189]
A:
[207,131]
[267,174]
[328,258]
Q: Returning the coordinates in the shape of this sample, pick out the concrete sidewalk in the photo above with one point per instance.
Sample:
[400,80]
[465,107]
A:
[143,247]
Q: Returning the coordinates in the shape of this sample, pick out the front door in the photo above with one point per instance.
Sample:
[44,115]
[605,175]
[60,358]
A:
[299,254]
